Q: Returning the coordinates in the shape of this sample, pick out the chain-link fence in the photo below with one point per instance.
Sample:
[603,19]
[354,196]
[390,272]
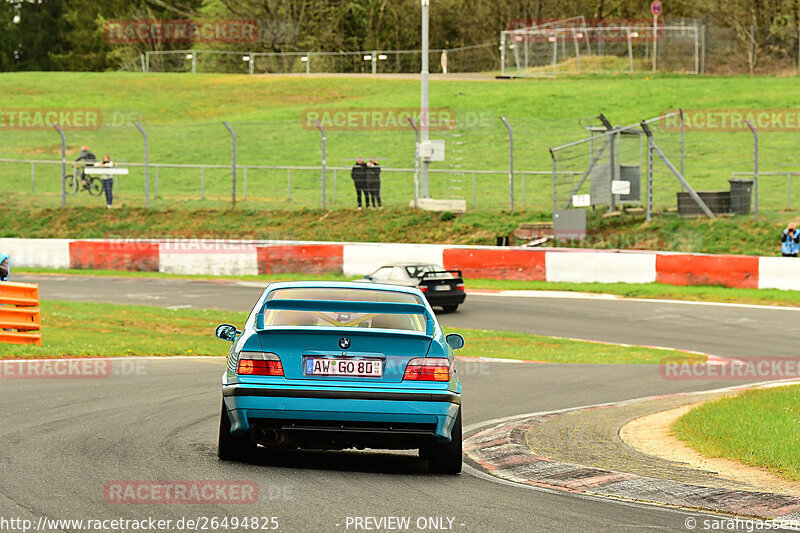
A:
[278,162]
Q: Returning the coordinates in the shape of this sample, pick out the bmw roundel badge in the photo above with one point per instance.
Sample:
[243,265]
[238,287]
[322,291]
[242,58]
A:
[344,343]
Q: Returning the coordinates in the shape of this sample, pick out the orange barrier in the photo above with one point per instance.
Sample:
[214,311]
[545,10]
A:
[19,310]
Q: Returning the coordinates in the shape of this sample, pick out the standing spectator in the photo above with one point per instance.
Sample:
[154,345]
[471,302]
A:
[374,182]
[359,175]
[790,241]
[107,181]
[88,159]
[5,267]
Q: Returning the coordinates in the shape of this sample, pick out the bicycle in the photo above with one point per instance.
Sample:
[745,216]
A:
[87,183]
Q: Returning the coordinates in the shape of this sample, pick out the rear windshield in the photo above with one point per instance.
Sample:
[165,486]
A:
[417,271]
[403,322]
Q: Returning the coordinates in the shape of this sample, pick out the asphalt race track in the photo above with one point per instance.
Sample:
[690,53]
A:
[156,419]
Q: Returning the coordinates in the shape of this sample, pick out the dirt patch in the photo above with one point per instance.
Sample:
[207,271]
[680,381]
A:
[651,434]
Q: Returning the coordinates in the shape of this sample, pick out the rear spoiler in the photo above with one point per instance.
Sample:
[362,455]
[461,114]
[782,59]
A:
[337,306]
[429,274]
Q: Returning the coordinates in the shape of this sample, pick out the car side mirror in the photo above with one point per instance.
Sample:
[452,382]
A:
[455,341]
[226,332]
[368,277]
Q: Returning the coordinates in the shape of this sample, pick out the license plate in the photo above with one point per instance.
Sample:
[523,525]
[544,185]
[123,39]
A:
[442,288]
[344,367]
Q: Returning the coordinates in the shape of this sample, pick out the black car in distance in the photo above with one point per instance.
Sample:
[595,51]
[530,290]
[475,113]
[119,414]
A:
[443,288]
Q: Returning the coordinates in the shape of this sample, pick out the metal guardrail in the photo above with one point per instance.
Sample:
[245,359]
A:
[788,175]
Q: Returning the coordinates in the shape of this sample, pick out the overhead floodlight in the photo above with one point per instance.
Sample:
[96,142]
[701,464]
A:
[634,34]
[367,57]
[382,57]
[304,59]
[245,58]
[188,56]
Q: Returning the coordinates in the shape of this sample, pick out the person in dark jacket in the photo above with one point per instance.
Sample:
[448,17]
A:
[107,181]
[790,241]
[5,267]
[359,175]
[88,159]
[374,182]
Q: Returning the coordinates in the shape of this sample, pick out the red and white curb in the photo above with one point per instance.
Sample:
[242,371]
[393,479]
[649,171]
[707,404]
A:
[499,448]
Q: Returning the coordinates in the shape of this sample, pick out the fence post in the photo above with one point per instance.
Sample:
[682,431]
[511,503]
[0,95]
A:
[788,190]
[233,163]
[555,54]
[203,183]
[289,184]
[33,177]
[630,51]
[577,50]
[322,131]
[416,162]
[474,199]
[703,52]
[147,61]
[649,185]
[245,183]
[755,168]
[146,165]
[158,182]
[334,186]
[510,164]
[63,164]
[683,144]
[503,53]
[696,50]
[194,61]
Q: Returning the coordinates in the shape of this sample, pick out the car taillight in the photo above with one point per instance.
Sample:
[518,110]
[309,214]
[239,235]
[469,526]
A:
[259,364]
[427,369]
[460,287]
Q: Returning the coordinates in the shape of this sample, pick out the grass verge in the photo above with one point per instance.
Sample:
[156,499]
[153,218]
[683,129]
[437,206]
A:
[108,330]
[758,427]
[628,290]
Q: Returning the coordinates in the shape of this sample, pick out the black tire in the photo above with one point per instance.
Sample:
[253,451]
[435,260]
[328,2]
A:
[446,458]
[95,187]
[450,308]
[69,184]
[231,447]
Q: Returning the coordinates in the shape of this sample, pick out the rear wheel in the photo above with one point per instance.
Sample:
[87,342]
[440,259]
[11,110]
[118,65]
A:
[446,458]
[95,187]
[450,308]
[231,447]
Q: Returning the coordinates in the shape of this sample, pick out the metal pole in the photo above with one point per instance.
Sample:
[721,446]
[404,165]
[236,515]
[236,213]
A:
[374,61]
[308,63]
[63,164]
[577,51]
[416,161]
[141,58]
[788,190]
[252,64]
[147,61]
[503,53]
[649,191]
[630,51]
[703,53]
[523,191]
[683,144]
[555,184]
[194,62]
[755,168]
[510,164]
[322,131]
[203,183]
[424,98]
[158,182]
[245,183]
[655,40]
[146,165]
[474,198]
[233,163]
[289,184]
[696,51]
[555,55]
[33,177]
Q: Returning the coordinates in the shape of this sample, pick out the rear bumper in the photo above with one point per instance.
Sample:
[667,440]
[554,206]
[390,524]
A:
[446,297]
[435,410]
